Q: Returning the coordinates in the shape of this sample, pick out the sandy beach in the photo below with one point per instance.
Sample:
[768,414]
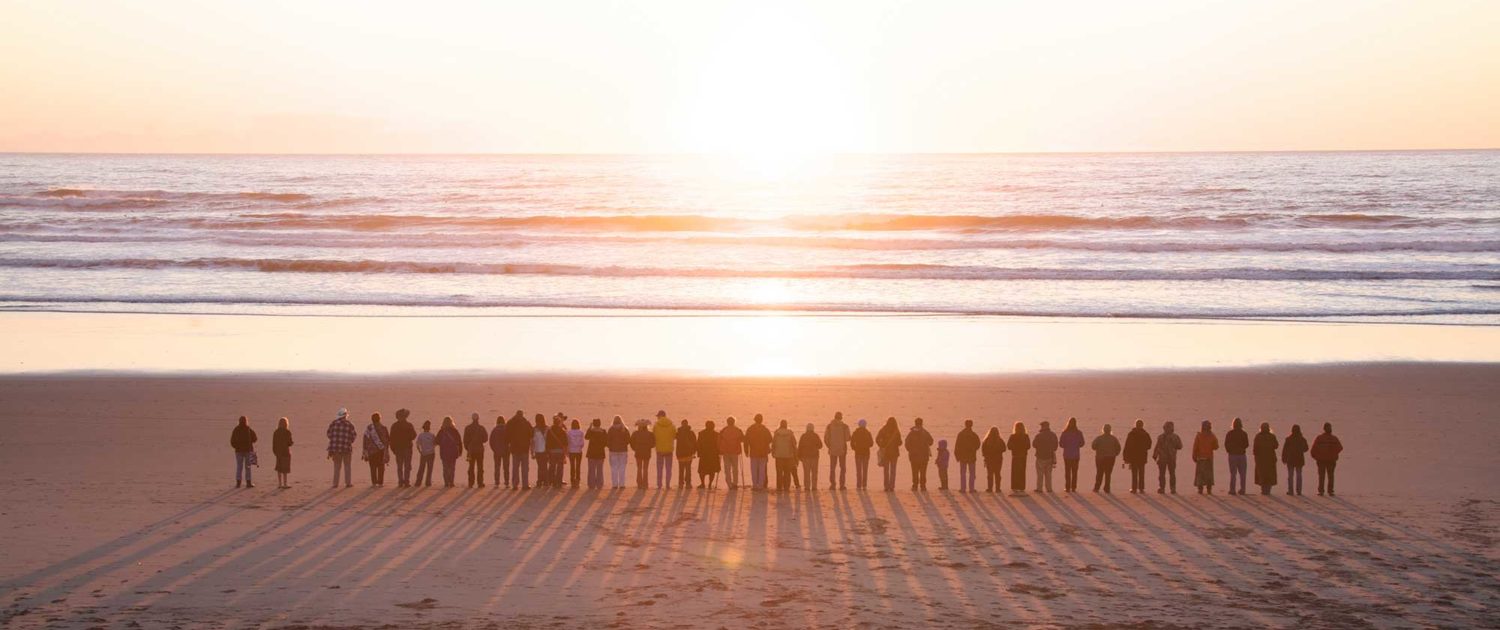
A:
[120,511]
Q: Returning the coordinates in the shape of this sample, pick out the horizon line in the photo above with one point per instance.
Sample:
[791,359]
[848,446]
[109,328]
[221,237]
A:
[732,155]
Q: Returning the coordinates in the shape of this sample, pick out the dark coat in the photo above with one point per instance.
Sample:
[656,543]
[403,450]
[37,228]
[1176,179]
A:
[1018,445]
[518,435]
[809,445]
[861,441]
[1293,450]
[966,447]
[643,441]
[708,451]
[598,442]
[1045,444]
[500,438]
[1265,458]
[281,442]
[402,435]
[993,449]
[619,439]
[758,441]
[1326,448]
[687,443]
[918,443]
[1236,442]
[1137,446]
[476,438]
[242,438]
[450,443]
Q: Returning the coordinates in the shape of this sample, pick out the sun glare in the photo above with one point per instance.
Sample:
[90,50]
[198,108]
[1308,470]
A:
[773,97]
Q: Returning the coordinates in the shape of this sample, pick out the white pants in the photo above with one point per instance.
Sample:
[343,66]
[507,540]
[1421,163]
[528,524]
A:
[617,463]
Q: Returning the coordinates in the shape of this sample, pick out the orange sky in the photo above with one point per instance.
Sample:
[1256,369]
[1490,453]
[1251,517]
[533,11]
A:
[754,77]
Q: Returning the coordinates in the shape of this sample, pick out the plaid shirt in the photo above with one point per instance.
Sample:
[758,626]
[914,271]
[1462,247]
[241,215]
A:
[341,436]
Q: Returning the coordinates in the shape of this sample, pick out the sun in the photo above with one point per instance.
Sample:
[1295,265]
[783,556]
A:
[773,96]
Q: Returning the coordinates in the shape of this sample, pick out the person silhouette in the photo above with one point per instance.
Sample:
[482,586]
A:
[1204,445]
[1165,454]
[1264,451]
[1325,452]
[966,451]
[1071,441]
[242,439]
[1106,448]
[1137,448]
[919,451]
[1293,452]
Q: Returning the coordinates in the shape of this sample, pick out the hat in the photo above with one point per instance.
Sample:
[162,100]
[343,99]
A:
[861,422]
[343,412]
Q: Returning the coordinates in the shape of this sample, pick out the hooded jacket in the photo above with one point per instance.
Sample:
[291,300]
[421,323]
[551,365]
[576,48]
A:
[1137,446]
[1106,446]
[1167,445]
[836,438]
[758,441]
[1045,445]
[731,441]
[966,446]
[666,434]
[784,444]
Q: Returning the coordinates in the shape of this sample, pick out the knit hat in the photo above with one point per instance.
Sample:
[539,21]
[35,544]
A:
[343,413]
[861,422]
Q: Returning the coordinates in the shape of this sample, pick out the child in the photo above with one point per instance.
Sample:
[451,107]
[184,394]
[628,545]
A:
[942,464]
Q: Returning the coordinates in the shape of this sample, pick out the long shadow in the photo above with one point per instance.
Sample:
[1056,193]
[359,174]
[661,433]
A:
[915,554]
[1063,546]
[968,541]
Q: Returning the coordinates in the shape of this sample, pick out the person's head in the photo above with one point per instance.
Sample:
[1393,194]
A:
[541,421]
[861,423]
[661,414]
[1046,426]
[343,413]
[244,422]
[499,420]
[810,428]
[618,421]
[685,423]
[783,424]
[283,423]
[519,415]
[708,426]
[1237,424]
[375,417]
[1328,427]
[891,421]
[1108,429]
[838,415]
[403,413]
[917,422]
[758,419]
[1020,429]
[1207,426]
[474,418]
[1168,427]
[595,423]
[447,421]
[575,423]
[942,445]
[1296,429]
[729,422]
[994,432]
[426,425]
[641,423]
[1265,427]
[1072,424]
[968,424]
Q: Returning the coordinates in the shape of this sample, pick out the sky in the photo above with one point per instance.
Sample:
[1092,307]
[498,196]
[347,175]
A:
[766,77]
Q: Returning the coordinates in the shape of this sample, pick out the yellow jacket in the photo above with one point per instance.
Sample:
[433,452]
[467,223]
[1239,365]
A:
[666,435]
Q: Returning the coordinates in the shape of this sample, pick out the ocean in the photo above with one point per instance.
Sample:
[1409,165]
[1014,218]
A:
[1345,236]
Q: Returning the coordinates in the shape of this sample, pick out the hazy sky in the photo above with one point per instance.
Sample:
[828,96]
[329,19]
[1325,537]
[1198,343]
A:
[761,77]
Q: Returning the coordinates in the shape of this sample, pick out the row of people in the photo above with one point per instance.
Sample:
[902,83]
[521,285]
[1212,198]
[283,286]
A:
[563,446]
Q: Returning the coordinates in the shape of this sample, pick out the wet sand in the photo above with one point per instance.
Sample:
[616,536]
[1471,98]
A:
[119,509]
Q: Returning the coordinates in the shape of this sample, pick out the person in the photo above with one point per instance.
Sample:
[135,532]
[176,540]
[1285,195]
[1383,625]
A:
[888,452]
[919,451]
[784,450]
[686,446]
[1293,451]
[598,445]
[1325,452]
[1204,445]
[966,451]
[341,436]
[861,442]
[1264,451]
[731,445]
[1045,447]
[518,438]
[758,448]
[426,450]
[993,449]
[402,434]
[619,452]
[1165,455]
[1236,442]
[375,449]
[281,447]
[643,442]
[1137,450]
[1018,445]
[941,462]
[1106,449]
[1071,442]
[575,454]
[836,439]
[807,451]
[476,442]
[708,457]
[666,436]
[450,445]
[557,449]
[500,451]
[538,444]
[242,440]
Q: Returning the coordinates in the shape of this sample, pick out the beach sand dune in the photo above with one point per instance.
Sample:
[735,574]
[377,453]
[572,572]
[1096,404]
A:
[118,512]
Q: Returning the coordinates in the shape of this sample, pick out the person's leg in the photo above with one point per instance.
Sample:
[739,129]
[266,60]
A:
[1109,473]
[1099,469]
[1332,466]
[942,477]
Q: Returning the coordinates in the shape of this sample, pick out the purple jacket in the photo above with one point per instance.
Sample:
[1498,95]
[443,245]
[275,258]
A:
[1071,442]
